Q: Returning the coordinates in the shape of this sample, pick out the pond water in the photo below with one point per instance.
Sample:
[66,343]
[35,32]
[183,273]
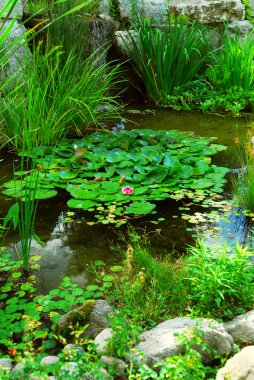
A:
[71,247]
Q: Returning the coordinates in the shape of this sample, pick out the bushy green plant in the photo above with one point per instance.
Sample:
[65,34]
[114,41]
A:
[169,59]
[126,328]
[219,279]
[55,100]
[234,66]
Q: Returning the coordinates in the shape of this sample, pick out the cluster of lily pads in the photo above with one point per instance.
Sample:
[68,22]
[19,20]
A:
[99,170]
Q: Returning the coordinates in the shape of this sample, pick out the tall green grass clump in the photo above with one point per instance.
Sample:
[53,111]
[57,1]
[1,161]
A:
[210,281]
[169,59]
[54,100]
[234,67]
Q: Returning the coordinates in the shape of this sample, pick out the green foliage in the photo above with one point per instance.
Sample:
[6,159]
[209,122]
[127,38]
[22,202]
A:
[114,9]
[213,99]
[96,170]
[150,286]
[56,100]
[169,59]
[234,67]
[87,363]
[219,280]
[212,281]
[28,320]
[185,367]
[126,328]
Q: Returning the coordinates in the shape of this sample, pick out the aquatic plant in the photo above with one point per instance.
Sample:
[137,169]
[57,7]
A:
[169,59]
[156,164]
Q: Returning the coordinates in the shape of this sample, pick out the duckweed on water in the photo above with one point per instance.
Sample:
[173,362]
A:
[156,164]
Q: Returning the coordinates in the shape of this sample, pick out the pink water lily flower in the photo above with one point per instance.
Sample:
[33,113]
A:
[127,190]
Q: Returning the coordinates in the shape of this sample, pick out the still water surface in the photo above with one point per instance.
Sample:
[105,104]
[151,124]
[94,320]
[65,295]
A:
[71,247]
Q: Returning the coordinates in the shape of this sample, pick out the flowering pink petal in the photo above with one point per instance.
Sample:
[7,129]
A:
[127,190]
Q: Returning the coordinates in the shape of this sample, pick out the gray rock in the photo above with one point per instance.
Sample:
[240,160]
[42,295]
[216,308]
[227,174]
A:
[209,11]
[118,364]
[18,367]
[101,340]
[239,367]
[71,349]
[51,359]
[5,364]
[99,318]
[242,328]
[69,368]
[92,313]
[103,374]
[160,342]
[240,26]
[205,11]
[18,51]
[17,12]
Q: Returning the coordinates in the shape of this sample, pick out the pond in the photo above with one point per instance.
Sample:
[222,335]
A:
[71,246]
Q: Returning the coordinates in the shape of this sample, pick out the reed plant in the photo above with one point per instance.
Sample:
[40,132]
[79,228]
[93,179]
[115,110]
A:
[169,59]
[234,65]
[55,99]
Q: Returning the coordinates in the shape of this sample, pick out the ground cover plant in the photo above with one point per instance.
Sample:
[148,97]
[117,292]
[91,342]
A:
[118,174]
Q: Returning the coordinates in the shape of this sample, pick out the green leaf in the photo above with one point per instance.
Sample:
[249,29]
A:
[67,175]
[140,208]
[82,204]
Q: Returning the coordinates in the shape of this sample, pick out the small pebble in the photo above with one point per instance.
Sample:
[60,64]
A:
[49,359]
[5,363]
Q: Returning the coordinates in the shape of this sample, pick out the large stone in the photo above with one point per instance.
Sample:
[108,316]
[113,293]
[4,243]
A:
[243,27]
[16,13]
[239,367]
[17,51]
[241,328]
[93,314]
[209,11]
[160,342]
[155,8]
[205,11]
